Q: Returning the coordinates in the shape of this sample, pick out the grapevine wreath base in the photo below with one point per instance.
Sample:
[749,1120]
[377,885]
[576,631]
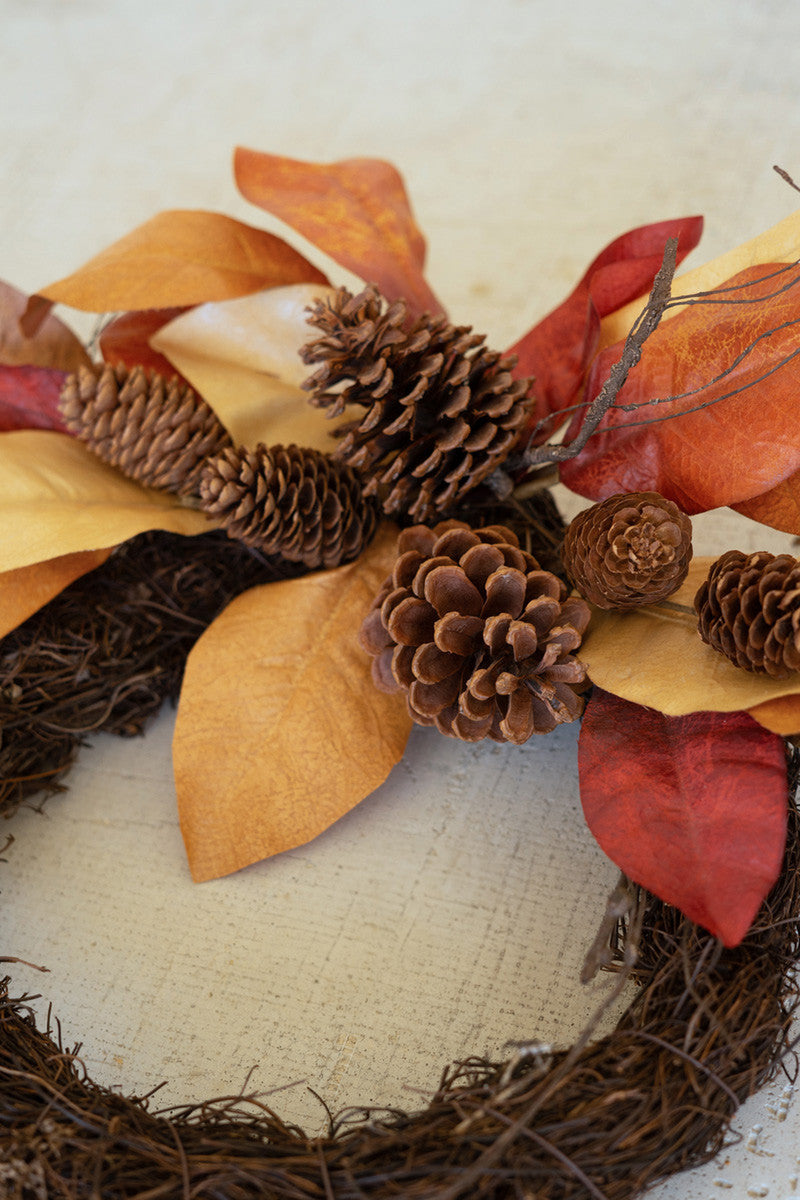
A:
[605,1118]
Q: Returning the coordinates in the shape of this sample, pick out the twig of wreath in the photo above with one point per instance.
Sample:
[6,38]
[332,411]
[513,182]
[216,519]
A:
[605,1118]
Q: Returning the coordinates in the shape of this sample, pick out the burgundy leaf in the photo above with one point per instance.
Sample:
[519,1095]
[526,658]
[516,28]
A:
[29,398]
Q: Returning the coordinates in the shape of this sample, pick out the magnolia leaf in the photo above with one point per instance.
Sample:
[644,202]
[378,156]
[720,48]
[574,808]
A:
[781,715]
[780,244]
[125,341]
[280,730]
[779,507]
[692,808]
[58,498]
[24,591]
[29,398]
[357,211]
[557,351]
[53,344]
[242,356]
[634,655]
[731,363]
[181,257]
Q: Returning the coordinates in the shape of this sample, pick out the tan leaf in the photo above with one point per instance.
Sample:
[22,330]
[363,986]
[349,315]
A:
[242,357]
[24,591]
[57,498]
[780,244]
[53,344]
[182,256]
[280,730]
[654,656]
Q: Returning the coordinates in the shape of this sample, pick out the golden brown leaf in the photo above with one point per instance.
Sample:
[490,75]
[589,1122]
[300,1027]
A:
[57,498]
[654,656]
[24,591]
[183,256]
[242,357]
[280,730]
[779,507]
[53,344]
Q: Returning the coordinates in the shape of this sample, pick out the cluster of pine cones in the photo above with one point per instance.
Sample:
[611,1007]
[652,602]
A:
[480,638]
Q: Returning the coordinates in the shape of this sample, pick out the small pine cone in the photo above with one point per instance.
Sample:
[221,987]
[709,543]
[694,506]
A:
[290,501]
[442,412]
[477,635]
[158,432]
[631,549]
[749,610]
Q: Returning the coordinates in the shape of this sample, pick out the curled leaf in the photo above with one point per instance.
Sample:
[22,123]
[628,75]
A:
[58,498]
[25,590]
[125,341]
[693,808]
[357,211]
[182,257]
[242,357]
[310,736]
[654,657]
[52,345]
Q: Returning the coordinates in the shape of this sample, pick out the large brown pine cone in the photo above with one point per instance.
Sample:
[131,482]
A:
[290,501]
[631,549]
[442,412]
[748,609]
[156,431]
[477,635]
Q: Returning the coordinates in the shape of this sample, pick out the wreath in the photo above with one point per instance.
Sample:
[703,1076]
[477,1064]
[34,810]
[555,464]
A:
[398,533]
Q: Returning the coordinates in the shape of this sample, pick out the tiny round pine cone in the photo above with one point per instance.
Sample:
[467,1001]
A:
[440,411]
[631,549]
[290,501]
[156,431]
[477,635]
[748,609]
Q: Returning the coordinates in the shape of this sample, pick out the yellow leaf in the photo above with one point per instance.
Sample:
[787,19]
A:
[242,357]
[654,656]
[280,730]
[25,590]
[780,244]
[57,498]
[182,256]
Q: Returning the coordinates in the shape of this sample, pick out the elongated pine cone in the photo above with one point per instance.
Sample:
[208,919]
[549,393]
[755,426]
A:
[290,501]
[631,549]
[477,635]
[442,412]
[748,609]
[156,431]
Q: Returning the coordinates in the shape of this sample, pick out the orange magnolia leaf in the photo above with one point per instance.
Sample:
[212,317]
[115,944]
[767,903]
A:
[182,257]
[280,730]
[779,507]
[558,349]
[781,715]
[125,341]
[53,345]
[356,210]
[58,498]
[242,357]
[633,655]
[707,417]
[24,591]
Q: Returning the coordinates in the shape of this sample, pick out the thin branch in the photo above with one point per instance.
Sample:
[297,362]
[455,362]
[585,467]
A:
[631,353]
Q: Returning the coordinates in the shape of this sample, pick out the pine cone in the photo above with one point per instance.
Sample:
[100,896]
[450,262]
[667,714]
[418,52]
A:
[442,411]
[749,610]
[290,501]
[158,432]
[631,549]
[479,637]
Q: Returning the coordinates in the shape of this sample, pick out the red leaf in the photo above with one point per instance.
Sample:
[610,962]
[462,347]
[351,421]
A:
[29,398]
[126,339]
[357,211]
[743,438]
[692,808]
[558,350]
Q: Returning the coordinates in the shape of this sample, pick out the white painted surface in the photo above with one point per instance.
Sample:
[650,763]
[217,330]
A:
[450,912]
